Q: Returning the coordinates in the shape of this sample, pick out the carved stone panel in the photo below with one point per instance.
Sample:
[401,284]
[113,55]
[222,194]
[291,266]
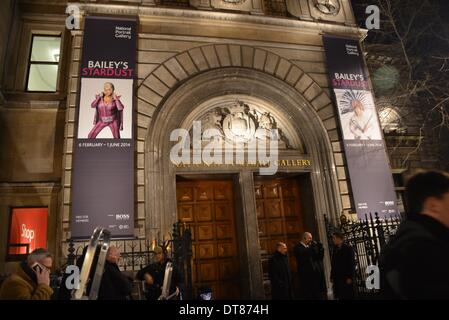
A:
[331,7]
[299,9]
[251,6]
[322,10]
[240,122]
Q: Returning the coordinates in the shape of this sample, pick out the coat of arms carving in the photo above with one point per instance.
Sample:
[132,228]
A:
[238,122]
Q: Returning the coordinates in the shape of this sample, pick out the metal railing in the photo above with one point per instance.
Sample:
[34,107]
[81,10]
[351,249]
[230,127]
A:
[367,237]
[138,253]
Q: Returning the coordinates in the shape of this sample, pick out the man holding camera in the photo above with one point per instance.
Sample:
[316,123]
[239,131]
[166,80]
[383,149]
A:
[31,281]
[153,276]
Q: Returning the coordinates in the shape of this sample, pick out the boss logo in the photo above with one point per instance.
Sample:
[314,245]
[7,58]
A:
[27,233]
[122,217]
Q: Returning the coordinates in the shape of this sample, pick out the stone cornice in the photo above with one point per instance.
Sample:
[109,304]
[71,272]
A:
[29,188]
[180,15]
[47,17]
[27,100]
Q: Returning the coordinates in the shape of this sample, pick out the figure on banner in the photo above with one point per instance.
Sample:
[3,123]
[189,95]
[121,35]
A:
[362,124]
[109,112]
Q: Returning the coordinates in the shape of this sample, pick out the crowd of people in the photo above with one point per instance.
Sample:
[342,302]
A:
[31,280]
[309,256]
[413,265]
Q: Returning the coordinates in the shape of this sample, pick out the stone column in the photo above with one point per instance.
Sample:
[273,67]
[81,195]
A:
[251,235]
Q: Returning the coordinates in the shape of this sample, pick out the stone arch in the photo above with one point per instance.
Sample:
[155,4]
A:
[167,118]
[158,84]
[169,75]
[160,174]
[165,87]
[169,94]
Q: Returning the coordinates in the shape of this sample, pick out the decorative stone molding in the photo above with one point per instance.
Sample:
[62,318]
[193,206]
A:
[149,2]
[243,122]
[188,15]
[29,188]
[200,59]
[251,6]
[322,10]
[331,7]
[299,9]
[270,86]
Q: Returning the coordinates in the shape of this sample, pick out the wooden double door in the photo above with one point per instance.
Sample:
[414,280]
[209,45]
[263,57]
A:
[280,219]
[208,208]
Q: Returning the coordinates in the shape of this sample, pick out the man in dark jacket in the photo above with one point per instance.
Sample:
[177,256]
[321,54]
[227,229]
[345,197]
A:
[343,268]
[153,276]
[415,263]
[309,255]
[320,284]
[280,274]
[114,285]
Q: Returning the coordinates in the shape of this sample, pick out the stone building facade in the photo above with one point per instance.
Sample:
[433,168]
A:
[192,57]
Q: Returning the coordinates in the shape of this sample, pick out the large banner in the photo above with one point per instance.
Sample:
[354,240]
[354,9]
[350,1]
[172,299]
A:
[103,163]
[369,170]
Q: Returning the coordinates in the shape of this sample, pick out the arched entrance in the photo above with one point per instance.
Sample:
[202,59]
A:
[192,99]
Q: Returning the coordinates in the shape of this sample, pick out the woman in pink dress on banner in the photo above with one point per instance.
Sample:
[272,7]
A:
[109,112]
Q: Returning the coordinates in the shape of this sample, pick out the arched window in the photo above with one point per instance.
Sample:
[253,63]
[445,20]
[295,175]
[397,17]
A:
[390,120]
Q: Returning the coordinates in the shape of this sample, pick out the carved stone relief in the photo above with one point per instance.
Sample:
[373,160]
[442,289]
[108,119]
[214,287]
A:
[324,10]
[251,6]
[243,123]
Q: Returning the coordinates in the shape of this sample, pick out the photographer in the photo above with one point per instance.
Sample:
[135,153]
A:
[153,276]
[31,281]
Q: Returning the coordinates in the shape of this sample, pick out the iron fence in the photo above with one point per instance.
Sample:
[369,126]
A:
[138,253]
[367,237]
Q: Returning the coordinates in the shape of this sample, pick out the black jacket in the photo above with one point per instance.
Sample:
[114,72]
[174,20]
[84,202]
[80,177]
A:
[280,277]
[415,262]
[309,262]
[304,260]
[114,285]
[343,263]
[157,271]
[343,268]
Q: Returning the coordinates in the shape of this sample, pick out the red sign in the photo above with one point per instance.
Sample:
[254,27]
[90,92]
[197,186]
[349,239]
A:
[28,226]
